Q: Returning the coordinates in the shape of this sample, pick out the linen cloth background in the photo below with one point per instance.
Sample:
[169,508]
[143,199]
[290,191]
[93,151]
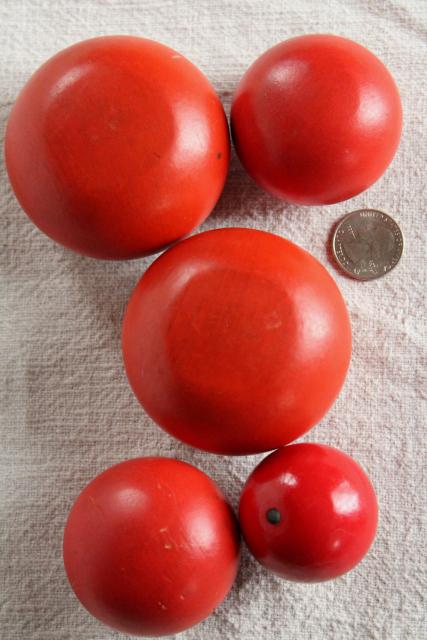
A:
[67,411]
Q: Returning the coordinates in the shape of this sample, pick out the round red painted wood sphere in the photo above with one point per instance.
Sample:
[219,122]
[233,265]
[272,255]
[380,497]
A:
[151,546]
[308,512]
[117,147]
[316,119]
[236,341]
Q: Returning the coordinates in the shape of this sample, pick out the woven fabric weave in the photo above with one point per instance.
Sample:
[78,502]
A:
[67,411]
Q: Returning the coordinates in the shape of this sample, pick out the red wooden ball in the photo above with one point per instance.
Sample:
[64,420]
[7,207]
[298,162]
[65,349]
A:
[236,341]
[316,119]
[308,512]
[151,546]
[117,146]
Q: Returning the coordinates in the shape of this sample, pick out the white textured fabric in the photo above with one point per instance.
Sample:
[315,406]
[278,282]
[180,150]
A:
[67,411]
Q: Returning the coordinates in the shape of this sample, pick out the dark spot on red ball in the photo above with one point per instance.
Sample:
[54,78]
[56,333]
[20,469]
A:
[273,516]
[219,155]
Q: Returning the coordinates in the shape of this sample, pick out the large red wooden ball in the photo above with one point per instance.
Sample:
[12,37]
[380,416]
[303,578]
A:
[151,547]
[117,146]
[236,341]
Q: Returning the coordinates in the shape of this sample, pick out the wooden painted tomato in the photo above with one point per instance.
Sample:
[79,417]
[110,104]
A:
[316,119]
[308,512]
[236,341]
[151,546]
[117,146]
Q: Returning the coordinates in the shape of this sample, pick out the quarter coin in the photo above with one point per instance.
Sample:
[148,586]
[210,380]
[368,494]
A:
[367,244]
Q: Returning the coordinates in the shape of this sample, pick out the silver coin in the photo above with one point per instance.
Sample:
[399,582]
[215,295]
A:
[367,244]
